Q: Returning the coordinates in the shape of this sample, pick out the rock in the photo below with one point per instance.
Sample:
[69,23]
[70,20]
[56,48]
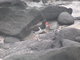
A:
[52,12]
[77,38]
[30,56]
[66,53]
[3,13]
[65,19]
[68,33]
[33,17]
[11,40]
[76,25]
[18,23]
[42,45]
[49,36]
[69,53]
[2,52]
[69,43]
[78,18]
[28,45]
[11,3]
[23,47]
[44,1]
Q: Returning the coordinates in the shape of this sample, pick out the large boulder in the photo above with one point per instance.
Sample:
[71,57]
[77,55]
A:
[65,19]
[69,43]
[11,40]
[69,33]
[67,53]
[11,3]
[15,22]
[23,46]
[44,1]
[34,45]
[52,12]
[19,22]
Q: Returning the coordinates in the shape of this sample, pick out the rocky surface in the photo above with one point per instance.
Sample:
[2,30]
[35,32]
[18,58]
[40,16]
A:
[40,45]
[68,33]
[68,53]
[66,20]
[33,45]
[52,12]
[13,3]
[55,44]
[61,46]
[20,22]
[17,21]
[11,40]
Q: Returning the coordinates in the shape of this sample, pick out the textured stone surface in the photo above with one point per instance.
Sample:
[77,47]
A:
[52,12]
[18,22]
[67,53]
[25,46]
[69,43]
[65,19]
[68,33]
[46,49]
[11,3]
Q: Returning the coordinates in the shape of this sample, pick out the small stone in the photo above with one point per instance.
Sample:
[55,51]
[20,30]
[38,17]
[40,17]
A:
[65,19]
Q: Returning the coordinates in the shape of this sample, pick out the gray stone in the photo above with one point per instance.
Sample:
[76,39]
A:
[49,35]
[69,43]
[19,22]
[69,53]
[14,22]
[66,53]
[26,46]
[11,3]
[44,1]
[65,19]
[77,18]
[68,33]
[51,13]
